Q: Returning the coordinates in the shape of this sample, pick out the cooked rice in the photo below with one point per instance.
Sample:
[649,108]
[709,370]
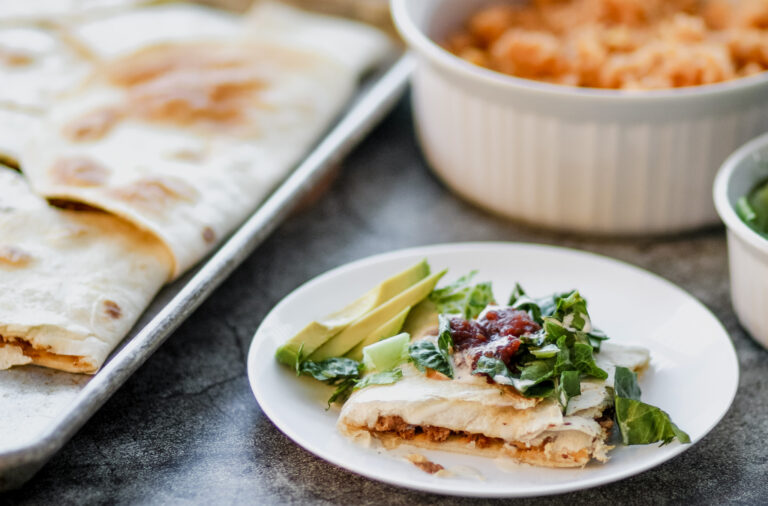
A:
[620,44]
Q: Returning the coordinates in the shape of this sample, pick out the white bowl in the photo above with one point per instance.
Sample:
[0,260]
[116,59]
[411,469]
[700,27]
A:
[747,250]
[590,160]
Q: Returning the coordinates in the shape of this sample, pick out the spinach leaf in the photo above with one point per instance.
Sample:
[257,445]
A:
[563,357]
[461,297]
[537,379]
[536,308]
[538,339]
[555,330]
[332,370]
[625,384]
[541,390]
[538,371]
[444,337]
[584,361]
[571,311]
[535,383]
[492,367]
[380,378]
[548,351]
[569,386]
[342,391]
[641,423]
[596,338]
[425,354]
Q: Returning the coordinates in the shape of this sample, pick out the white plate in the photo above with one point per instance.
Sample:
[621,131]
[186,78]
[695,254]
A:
[693,375]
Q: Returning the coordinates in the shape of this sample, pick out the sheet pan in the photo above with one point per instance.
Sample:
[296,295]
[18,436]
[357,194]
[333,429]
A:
[40,409]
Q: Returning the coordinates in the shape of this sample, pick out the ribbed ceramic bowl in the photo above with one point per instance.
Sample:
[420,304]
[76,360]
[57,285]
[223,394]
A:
[747,251]
[589,160]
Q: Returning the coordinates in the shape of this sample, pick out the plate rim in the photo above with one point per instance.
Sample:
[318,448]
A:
[424,486]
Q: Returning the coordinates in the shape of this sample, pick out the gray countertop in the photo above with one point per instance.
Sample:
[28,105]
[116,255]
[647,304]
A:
[186,428]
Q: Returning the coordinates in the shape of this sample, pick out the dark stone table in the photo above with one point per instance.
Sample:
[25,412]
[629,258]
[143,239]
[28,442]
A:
[186,428]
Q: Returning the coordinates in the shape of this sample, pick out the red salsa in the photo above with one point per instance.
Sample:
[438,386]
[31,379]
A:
[495,334]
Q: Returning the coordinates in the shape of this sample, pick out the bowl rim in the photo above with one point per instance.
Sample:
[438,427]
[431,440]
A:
[416,38]
[720,194]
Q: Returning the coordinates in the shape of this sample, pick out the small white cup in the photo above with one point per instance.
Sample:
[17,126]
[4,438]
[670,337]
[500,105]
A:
[747,250]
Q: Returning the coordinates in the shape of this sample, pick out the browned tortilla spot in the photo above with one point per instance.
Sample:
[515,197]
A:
[112,309]
[14,256]
[190,83]
[156,193]
[14,57]
[209,235]
[93,125]
[79,171]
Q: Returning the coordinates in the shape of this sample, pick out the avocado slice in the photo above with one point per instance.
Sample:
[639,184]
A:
[389,329]
[368,323]
[421,319]
[311,337]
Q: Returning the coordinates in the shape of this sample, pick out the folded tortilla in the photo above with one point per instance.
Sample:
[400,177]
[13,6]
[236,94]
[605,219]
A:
[469,415]
[46,11]
[193,115]
[75,282]
[36,64]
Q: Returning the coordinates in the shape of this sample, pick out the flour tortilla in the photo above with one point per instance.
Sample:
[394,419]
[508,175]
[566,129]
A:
[74,282]
[36,65]
[528,430]
[202,118]
[49,11]
[16,129]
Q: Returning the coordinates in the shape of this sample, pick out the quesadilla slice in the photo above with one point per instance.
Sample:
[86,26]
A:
[193,116]
[470,415]
[75,282]
[532,381]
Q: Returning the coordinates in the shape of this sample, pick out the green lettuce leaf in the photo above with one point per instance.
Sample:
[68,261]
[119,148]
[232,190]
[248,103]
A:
[461,297]
[638,422]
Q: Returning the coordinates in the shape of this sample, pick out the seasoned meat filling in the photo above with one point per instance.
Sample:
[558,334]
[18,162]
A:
[404,430]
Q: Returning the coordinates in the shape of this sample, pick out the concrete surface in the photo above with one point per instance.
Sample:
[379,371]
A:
[186,428]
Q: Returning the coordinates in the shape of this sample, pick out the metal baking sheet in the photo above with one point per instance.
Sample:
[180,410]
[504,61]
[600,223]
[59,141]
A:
[41,409]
